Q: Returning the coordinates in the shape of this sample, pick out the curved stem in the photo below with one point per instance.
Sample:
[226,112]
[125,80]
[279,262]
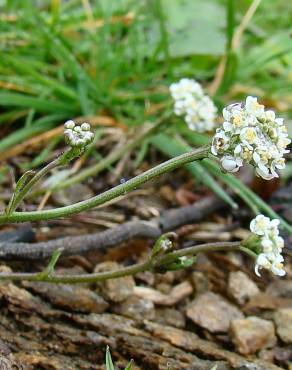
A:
[21,195]
[109,160]
[108,195]
[60,161]
[125,271]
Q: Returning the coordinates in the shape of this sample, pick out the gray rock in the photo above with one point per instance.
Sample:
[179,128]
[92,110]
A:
[283,320]
[170,317]
[252,334]
[115,290]
[136,308]
[212,312]
[241,288]
[70,297]
[280,288]
[200,282]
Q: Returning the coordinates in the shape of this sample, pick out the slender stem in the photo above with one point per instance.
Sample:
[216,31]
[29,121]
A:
[60,161]
[21,195]
[149,264]
[108,195]
[107,161]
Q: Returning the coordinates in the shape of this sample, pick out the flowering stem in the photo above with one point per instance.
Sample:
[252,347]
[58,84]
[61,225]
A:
[122,189]
[111,158]
[150,264]
[60,161]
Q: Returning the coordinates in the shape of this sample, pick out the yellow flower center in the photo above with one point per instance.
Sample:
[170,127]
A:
[237,120]
[247,154]
[261,224]
[256,105]
[250,135]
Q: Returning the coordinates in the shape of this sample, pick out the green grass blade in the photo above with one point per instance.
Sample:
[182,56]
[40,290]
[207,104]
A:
[108,360]
[33,102]
[24,67]
[129,366]
[22,134]
[245,193]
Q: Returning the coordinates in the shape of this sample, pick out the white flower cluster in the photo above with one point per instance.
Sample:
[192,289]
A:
[252,135]
[78,136]
[271,243]
[190,101]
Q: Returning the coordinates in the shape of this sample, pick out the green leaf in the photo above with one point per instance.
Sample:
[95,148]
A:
[254,201]
[129,366]
[19,185]
[181,263]
[23,66]
[49,270]
[41,125]
[193,27]
[108,360]
[162,244]
[34,102]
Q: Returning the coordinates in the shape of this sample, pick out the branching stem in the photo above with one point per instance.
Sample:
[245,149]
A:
[122,189]
[150,264]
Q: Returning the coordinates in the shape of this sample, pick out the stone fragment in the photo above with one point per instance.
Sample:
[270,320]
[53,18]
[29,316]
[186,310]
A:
[70,297]
[200,282]
[136,308]
[177,293]
[280,288]
[116,290]
[190,342]
[283,320]
[170,317]
[252,334]
[241,288]
[164,288]
[212,312]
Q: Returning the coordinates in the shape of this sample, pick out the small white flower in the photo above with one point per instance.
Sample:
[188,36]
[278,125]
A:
[220,142]
[267,245]
[270,115]
[166,244]
[69,124]
[179,107]
[254,135]
[253,107]
[279,242]
[85,126]
[77,136]
[263,171]
[190,101]
[248,136]
[262,261]
[231,164]
[277,266]
[272,244]
[260,225]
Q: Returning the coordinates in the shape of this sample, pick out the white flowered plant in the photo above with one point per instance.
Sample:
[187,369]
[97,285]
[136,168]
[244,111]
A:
[271,245]
[251,134]
[191,102]
[78,136]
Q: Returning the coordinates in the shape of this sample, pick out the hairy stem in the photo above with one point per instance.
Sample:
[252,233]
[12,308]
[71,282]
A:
[149,264]
[106,162]
[108,195]
[60,161]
